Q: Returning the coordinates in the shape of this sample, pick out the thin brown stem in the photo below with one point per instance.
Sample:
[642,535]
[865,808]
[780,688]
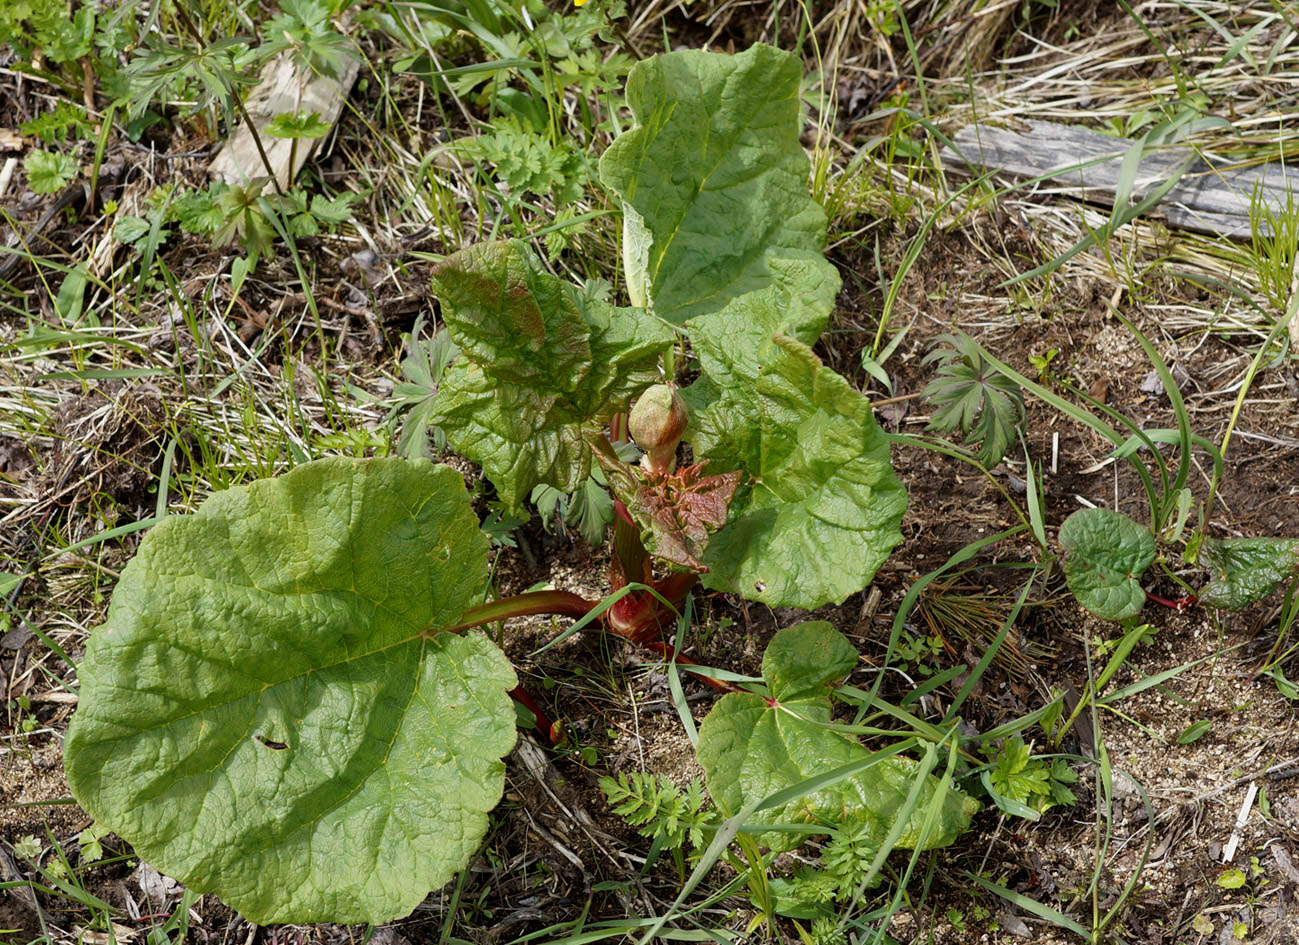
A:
[901,398]
[238,103]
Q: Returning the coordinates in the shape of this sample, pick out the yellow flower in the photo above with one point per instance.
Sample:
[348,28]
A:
[579,3]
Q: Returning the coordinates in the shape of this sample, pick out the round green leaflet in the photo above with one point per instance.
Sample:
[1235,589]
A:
[269,714]
[1105,555]
[752,748]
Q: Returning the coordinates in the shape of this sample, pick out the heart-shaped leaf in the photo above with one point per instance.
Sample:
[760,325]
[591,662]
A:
[1246,570]
[752,747]
[1105,555]
[269,712]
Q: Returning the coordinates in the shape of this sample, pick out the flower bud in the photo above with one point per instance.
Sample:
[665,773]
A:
[657,423]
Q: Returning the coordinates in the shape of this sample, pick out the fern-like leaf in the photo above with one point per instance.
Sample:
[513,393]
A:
[659,809]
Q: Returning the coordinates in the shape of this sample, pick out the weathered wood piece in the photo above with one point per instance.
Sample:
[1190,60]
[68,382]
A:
[286,86]
[1212,196]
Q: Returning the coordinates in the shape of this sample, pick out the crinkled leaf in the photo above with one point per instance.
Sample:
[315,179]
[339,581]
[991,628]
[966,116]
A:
[1105,555]
[540,359]
[522,437]
[519,324]
[733,342]
[1246,570]
[682,510]
[822,507]
[714,182]
[267,713]
[677,513]
[626,345]
[751,748]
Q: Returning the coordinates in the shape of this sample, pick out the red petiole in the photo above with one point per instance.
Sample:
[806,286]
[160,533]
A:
[642,615]
[1180,604]
[639,617]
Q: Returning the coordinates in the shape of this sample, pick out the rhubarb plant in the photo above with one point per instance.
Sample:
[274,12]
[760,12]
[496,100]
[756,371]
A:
[753,745]
[1106,554]
[722,244]
[289,705]
[269,712]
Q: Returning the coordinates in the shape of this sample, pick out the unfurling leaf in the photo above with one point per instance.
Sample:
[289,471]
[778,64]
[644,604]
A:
[540,360]
[1105,555]
[682,510]
[269,713]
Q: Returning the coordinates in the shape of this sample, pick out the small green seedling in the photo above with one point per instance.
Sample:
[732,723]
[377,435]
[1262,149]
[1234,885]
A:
[296,126]
[1106,553]
[50,171]
[1028,786]
[1042,364]
[973,396]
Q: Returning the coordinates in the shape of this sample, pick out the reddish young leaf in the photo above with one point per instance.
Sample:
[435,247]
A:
[683,509]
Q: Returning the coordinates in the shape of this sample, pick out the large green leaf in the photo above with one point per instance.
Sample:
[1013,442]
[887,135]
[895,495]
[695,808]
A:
[269,713]
[714,183]
[752,747]
[540,359]
[733,343]
[1246,570]
[522,325]
[1105,555]
[520,436]
[823,506]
